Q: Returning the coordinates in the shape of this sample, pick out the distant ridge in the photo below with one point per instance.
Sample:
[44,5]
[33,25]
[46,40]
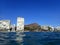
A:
[32,24]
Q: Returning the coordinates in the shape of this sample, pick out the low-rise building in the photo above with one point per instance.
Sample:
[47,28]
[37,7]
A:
[57,28]
[45,28]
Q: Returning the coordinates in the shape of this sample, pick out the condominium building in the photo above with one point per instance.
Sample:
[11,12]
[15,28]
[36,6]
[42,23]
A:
[20,24]
[4,24]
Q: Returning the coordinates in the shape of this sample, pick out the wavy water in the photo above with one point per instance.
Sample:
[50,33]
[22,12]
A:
[30,38]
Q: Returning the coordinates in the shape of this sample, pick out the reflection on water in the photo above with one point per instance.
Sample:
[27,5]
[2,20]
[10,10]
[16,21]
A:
[30,38]
[10,38]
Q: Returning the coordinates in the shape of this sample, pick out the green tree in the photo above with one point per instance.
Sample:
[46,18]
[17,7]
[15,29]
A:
[49,28]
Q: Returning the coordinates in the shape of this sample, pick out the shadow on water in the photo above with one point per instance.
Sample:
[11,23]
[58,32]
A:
[30,38]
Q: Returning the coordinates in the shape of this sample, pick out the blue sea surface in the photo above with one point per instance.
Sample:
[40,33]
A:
[30,38]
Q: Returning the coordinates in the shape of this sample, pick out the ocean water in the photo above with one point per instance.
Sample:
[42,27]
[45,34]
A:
[30,38]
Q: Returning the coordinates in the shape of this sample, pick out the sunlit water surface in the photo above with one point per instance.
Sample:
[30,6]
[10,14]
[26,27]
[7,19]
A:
[30,38]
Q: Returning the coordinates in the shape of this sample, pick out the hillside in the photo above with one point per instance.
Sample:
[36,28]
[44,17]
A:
[32,27]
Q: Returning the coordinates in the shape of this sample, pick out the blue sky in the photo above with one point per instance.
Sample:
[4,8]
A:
[43,12]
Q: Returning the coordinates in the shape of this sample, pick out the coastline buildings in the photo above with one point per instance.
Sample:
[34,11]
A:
[5,25]
[47,28]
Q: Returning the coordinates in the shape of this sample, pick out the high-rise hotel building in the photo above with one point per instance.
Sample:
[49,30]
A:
[20,24]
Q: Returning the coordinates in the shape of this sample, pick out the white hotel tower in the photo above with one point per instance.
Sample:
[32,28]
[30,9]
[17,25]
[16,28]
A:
[20,24]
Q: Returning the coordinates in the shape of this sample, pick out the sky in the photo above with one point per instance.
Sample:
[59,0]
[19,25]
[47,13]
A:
[43,12]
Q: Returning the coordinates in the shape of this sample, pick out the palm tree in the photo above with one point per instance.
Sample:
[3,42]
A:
[49,28]
[39,28]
